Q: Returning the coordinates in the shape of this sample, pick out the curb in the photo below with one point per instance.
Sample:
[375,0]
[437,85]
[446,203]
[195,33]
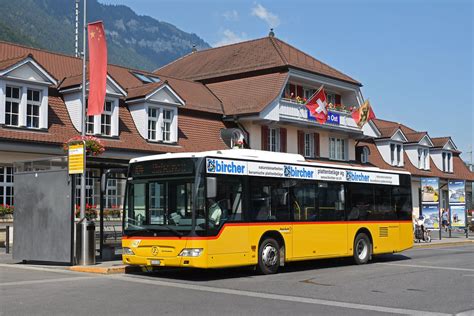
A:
[443,244]
[120,269]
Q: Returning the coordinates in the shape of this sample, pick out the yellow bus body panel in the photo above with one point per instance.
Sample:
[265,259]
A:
[237,243]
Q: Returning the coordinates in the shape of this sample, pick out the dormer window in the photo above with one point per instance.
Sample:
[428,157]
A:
[396,154]
[364,157]
[105,124]
[447,162]
[12,106]
[33,104]
[162,124]
[423,158]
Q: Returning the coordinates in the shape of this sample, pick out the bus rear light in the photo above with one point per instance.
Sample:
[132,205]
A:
[190,252]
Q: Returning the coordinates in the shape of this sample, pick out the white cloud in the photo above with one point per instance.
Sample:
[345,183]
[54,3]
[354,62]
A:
[262,13]
[231,15]
[230,37]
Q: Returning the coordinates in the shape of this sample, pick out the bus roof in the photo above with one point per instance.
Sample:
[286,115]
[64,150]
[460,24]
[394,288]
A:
[260,155]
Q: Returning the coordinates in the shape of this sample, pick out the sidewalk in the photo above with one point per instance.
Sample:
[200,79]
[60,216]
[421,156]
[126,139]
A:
[445,241]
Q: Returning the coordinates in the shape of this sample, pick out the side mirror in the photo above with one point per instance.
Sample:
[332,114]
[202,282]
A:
[211,184]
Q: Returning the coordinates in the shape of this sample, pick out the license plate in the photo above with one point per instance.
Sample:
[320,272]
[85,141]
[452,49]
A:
[155,262]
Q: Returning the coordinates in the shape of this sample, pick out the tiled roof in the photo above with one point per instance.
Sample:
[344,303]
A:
[68,71]
[388,128]
[200,121]
[248,95]
[415,137]
[461,172]
[249,56]
[440,141]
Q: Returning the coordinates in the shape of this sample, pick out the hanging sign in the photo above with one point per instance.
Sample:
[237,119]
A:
[76,159]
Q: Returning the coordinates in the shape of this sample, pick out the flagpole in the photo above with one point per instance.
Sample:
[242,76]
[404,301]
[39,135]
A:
[83,129]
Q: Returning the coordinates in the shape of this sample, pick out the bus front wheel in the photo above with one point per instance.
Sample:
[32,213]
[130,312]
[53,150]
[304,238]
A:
[362,249]
[269,256]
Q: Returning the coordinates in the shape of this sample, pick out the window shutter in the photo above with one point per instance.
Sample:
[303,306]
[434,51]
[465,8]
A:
[264,134]
[293,90]
[283,140]
[337,99]
[299,90]
[301,143]
[316,144]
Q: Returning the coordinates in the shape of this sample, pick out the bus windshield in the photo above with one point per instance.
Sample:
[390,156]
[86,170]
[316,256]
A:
[163,207]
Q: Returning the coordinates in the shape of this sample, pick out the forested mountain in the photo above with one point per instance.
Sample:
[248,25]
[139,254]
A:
[133,40]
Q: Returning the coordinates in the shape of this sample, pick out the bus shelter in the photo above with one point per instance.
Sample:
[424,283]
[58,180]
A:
[47,208]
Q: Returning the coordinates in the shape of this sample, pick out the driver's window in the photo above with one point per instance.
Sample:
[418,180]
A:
[226,206]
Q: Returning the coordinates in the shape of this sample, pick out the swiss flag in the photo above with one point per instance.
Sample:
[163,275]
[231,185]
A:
[317,106]
[97,68]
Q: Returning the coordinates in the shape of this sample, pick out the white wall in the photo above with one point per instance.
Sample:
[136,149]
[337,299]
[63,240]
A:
[74,108]
[415,187]
[140,117]
[2,101]
[9,157]
[26,72]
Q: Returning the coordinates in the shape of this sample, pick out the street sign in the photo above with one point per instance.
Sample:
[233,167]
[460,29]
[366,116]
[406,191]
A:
[76,159]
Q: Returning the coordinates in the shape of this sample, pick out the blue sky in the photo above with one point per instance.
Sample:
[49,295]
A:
[414,57]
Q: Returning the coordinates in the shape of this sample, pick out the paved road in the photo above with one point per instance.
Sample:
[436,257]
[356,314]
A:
[426,281]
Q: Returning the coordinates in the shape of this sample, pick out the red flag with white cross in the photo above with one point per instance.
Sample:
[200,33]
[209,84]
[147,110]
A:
[317,106]
[97,68]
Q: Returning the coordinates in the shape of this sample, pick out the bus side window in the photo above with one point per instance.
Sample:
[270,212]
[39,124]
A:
[303,201]
[269,200]
[226,206]
[331,201]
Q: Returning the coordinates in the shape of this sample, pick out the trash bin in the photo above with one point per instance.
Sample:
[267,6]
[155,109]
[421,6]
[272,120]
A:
[85,249]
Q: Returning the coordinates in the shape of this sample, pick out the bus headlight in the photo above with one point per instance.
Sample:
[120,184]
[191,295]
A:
[127,251]
[190,252]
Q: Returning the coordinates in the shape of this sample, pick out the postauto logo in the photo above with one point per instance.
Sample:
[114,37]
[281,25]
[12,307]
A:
[298,172]
[225,166]
[357,177]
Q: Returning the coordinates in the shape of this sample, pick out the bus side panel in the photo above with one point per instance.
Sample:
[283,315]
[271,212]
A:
[406,236]
[230,248]
[385,236]
[257,231]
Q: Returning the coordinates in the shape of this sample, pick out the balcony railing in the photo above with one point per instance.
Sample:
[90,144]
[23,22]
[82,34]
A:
[292,110]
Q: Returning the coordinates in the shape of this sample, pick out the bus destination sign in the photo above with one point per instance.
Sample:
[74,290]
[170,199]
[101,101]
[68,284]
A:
[155,168]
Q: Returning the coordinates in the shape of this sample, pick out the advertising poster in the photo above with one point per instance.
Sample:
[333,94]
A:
[458,216]
[457,192]
[431,216]
[430,190]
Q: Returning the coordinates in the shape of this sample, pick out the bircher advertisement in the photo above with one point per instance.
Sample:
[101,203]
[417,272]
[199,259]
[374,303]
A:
[431,216]
[457,193]
[430,190]
[458,215]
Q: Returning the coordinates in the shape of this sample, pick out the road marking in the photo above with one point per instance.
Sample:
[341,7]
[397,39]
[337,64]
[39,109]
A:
[294,299]
[46,281]
[25,267]
[424,267]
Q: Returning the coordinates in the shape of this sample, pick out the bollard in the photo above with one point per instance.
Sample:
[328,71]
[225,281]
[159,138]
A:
[85,251]
[7,239]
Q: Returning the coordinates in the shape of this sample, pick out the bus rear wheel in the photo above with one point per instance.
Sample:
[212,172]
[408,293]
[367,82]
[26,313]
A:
[362,249]
[268,256]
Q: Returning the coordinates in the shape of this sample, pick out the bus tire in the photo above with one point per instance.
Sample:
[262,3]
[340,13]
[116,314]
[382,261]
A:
[268,256]
[362,249]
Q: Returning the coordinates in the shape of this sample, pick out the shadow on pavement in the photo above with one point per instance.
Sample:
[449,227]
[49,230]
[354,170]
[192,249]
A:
[204,275]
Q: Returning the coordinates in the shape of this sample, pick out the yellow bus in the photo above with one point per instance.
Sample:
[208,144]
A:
[243,207]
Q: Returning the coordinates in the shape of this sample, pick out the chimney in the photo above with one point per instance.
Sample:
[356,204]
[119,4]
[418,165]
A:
[271,34]
[194,48]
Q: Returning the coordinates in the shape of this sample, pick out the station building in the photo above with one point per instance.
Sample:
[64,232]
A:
[258,86]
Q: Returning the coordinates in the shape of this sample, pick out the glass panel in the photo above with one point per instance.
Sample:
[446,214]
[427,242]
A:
[331,203]
[157,193]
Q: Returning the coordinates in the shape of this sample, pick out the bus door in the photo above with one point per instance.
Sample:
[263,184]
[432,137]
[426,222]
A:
[228,243]
[320,229]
